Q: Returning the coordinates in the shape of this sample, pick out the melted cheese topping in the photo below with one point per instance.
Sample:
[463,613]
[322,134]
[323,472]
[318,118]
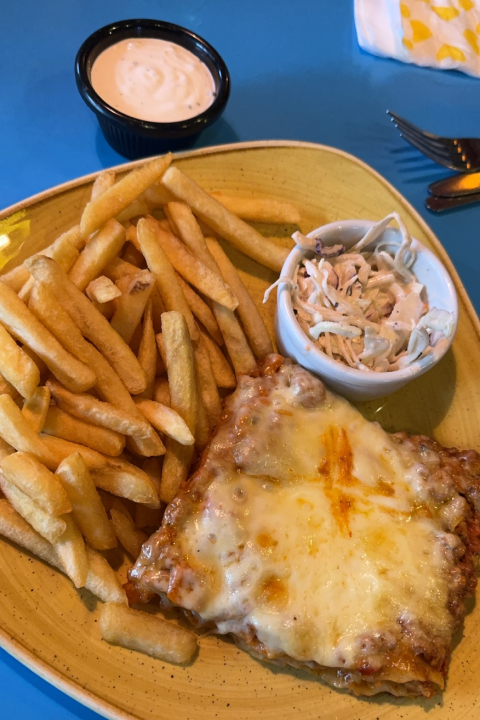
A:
[321,541]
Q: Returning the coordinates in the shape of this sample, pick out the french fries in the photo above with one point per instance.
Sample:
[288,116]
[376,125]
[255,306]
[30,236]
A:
[167,421]
[119,196]
[96,412]
[102,290]
[16,366]
[131,305]
[201,311]
[148,356]
[102,248]
[181,377]
[166,279]
[223,222]
[70,548]
[253,324]
[18,319]
[128,535]
[35,409]
[222,371]
[88,509]
[88,327]
[16,431]
[36,481]
[90,323]
[259,209]
[194,271]
[109,385]
[48,526]
[63,425]
[146,633]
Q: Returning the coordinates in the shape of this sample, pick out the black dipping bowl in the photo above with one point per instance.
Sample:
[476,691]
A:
[135,138]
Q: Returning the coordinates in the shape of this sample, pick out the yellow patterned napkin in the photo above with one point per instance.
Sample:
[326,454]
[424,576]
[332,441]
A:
[443,34]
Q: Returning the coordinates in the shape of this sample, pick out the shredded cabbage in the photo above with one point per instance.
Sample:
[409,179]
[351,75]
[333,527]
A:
[364,306]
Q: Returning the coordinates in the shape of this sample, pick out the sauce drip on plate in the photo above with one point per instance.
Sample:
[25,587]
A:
[154,80]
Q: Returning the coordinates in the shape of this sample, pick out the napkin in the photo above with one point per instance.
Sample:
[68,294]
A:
[442,34]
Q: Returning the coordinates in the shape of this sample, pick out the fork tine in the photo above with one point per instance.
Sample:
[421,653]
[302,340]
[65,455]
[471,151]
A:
[458,164]
[423,133]
[437,145]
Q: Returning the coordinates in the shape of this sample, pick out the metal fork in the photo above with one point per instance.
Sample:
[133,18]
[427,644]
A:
[462,154]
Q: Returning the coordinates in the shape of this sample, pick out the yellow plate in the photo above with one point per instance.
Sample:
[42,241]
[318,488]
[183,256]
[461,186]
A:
[53,629]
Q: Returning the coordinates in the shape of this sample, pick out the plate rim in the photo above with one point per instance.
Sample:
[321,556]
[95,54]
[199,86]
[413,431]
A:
[13,647]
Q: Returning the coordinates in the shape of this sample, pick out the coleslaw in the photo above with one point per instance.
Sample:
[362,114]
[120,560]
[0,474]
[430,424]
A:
[364,306]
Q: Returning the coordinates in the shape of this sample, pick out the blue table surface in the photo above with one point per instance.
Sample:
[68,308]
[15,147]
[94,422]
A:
[297,73]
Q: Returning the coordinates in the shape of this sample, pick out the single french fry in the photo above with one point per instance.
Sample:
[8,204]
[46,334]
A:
[135,209]
[118,268]
[96,412]
[147,353]
[222,371]
[16,431]
[102,182]
[195,271]
[153,467]
[119,196]
[5,449]
[166,279]
[259,209]
[35,409]
[223,222]
[161,391]
[109,385]
[15,278]
[42,367]
[157,196]
[48,526]
[88,509]
[166,421]
[102,580]
[15,528]
[202,426]
[161,348]
[16,366]
[181,377]
[61,449]
[102,248]
[253,324]
[158,307]
[129,536]
[70,548]
[201,311]
[132,255]
[102,290]
[131,305]
[36,481]
[18,319]
[127,481]
[146,633]
[206,385]
[90,323]
[146,517]
[7,388]
[63,425]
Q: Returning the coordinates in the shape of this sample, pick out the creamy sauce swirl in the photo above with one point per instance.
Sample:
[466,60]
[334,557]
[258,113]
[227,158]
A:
[154,80]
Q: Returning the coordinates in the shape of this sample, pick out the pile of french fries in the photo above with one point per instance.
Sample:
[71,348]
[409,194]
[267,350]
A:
[116,344]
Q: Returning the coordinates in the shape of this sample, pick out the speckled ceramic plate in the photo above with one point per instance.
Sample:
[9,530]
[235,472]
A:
[53,629]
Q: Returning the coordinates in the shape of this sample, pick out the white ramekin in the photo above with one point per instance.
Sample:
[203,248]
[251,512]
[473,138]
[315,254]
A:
[352,383]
